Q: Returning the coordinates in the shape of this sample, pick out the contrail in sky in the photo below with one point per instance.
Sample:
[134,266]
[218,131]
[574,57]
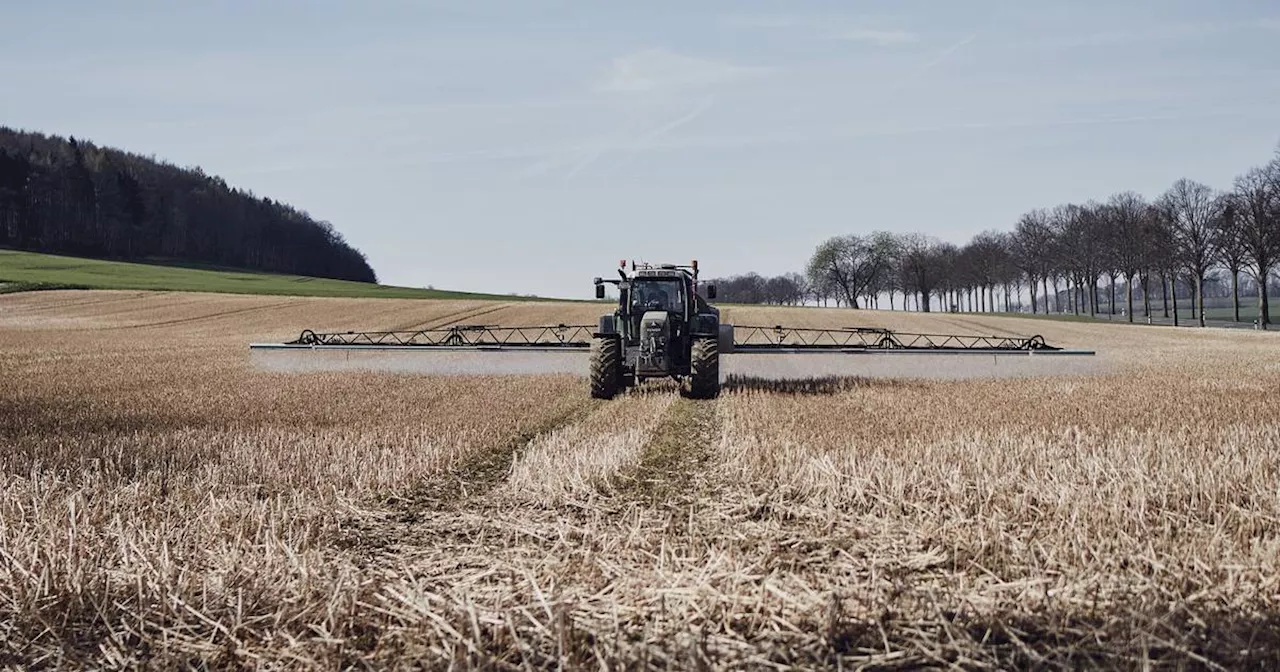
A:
[672,125]
[644,140]
[932,63]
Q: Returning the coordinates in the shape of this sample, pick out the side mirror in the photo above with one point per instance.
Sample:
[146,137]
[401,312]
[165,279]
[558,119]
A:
[711,291]
[600,290]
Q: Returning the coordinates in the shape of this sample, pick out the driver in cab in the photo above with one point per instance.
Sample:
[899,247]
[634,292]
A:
[655,296]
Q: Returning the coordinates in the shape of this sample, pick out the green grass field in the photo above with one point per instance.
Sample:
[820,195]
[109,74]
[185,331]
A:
[21,271]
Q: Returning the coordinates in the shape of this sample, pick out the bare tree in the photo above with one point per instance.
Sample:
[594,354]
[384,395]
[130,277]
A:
[779,290]
[947,259]
[921,272]
[1094,250]
[847,263]
[1131,237]
[1006,271]
[886,249]
[748,288]
[821,290]
[800,283]
[1075,227]
[1192,210]
[1154,233]
[1257,201]
[1229,242]
[1033,251]
[1164,259]
[988,262]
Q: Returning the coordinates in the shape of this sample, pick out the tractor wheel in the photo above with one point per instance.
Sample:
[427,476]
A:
[704,369]
[606,366]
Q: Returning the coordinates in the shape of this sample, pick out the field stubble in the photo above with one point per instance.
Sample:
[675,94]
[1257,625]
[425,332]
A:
[164,502]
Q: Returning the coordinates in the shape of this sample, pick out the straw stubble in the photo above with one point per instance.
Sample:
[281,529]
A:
[165,501]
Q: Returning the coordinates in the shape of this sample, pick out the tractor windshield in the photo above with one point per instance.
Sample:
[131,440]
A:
[657,295]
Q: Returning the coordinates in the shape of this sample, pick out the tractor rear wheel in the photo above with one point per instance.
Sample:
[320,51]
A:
[704,369]
[606,366]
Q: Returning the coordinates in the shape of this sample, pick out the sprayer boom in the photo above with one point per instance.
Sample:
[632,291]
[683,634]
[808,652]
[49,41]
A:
[662,327]
[745,340]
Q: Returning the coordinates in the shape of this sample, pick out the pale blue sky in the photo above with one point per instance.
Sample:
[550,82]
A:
[504,146]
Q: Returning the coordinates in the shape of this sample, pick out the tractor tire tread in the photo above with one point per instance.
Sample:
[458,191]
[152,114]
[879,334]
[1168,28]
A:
[606,366]
[704,369]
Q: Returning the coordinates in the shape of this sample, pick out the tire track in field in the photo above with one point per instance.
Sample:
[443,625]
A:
[469,503]
[978,328]
[422,324]
[92,302]
[408,522]
[589,459]
[197,318]
[678,454]
[486,468]
[450,318]
[122,313]
[479,312]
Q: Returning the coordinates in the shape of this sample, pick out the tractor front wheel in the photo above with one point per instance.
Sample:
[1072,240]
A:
[606,366]
[704,369]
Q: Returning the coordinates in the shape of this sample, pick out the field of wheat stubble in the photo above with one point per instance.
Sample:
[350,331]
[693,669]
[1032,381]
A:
[165,502]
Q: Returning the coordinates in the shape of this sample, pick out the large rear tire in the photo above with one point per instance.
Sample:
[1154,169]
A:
[704,369]
[606,366]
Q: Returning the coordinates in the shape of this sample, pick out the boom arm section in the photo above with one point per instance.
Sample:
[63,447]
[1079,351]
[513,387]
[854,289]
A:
[456,337]
[874,340]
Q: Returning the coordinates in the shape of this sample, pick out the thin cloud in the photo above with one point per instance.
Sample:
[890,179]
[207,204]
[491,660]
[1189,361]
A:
[943,55]
[800,135]
[768,21]
[819,27]
[658,140]
[647,76]
[672,125]
[936,60]
[589,157]
[1171,32]
[880,38]
[659,70]
[584,157]
[649,139]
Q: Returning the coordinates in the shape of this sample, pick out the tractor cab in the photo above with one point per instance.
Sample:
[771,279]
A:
[658,293]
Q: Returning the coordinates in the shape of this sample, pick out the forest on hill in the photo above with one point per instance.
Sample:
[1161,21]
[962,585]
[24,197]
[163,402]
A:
[69,196]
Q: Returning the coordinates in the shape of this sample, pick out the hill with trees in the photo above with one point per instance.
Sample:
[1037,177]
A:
[69,196]
[1081,258]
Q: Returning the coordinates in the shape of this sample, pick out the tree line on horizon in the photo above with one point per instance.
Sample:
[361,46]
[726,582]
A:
[1069,258]
[69,196]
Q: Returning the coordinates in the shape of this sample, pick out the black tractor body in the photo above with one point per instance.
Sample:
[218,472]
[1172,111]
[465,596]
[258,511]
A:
[662,328]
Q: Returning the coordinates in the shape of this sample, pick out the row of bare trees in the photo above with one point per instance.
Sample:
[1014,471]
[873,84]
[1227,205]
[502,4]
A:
[1177,240]
[788,289]
[1070,258]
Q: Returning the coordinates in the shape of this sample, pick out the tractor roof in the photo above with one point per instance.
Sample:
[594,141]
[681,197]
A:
[642,273]
[647,270]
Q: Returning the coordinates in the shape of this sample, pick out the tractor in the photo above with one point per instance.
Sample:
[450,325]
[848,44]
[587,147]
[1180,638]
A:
[662,328]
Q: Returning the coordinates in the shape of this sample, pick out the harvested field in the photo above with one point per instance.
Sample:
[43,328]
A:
[164,501]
